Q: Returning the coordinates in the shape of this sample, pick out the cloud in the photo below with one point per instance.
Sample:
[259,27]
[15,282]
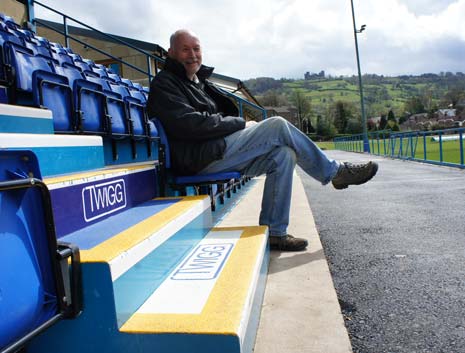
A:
[286,38]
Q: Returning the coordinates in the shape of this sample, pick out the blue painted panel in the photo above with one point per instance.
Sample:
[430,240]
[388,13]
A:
[125,151]
[97,233]
[79,206]
[62,160]
[20,124]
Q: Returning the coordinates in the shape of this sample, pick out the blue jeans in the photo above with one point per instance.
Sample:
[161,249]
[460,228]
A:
[273,147]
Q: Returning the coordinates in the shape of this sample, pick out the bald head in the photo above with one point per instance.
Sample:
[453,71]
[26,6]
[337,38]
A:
[181,33]
[185,48]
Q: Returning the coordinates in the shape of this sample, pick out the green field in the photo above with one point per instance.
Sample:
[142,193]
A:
[450,149]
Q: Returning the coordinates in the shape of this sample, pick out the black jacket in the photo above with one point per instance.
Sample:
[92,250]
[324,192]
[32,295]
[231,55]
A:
[196,116]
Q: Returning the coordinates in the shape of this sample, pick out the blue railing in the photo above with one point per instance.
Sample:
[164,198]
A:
[149,57]
[442,147]
[67,37]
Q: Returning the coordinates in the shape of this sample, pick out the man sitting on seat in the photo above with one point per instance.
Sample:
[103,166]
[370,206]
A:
[207,136]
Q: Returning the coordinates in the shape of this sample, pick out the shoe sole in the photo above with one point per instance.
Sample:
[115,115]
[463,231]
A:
[345,186]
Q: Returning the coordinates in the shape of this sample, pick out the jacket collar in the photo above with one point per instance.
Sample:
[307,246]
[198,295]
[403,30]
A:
[176,68]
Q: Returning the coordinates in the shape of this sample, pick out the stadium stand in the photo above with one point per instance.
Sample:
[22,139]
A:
[82,164]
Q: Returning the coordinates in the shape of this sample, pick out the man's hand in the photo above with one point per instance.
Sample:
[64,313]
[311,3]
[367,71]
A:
[250,123]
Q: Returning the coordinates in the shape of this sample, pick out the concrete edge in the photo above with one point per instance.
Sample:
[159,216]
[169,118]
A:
[300,311]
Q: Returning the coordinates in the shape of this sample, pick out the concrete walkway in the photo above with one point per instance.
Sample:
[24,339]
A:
[300,312]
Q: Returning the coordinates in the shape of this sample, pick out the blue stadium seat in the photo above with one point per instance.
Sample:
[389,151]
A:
[138,94]
[115,108]
[136,110]
[37,48]
[36,84]
[89,102]
[81,65]
[9,22]
[53,92]
[38,288]
[100,70]
[61,56]
[138,86]
[23,63]
[196,181]
[127,82]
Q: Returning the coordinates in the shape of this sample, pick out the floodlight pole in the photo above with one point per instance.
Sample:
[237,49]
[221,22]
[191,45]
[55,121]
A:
[366,144]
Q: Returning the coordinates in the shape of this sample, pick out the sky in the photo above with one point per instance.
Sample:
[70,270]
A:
[286,38]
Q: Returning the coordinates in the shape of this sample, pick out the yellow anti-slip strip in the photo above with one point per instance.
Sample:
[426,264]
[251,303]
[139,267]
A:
[104,173]
[122,242]
[224,308]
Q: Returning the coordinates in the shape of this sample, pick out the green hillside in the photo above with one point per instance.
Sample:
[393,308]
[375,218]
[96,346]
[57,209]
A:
[381,93]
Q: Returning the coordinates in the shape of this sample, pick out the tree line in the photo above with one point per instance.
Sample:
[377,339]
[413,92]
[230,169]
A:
[337,110]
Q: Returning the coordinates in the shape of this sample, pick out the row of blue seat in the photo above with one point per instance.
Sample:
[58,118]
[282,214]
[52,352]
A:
[83,96]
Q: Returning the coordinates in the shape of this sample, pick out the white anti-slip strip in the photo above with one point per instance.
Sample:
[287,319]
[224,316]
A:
[123,262]
[48,140]
[188,287]
[26,112]
[106,174]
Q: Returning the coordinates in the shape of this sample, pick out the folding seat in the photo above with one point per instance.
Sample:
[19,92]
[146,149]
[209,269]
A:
[24,33]
[126,82]
[23,64]
[146,91]
[75,56]
[10,22]
[135,109]
[90,103]
[61,56]
[37,49]
[83,66]
[114,77]
[138,94]
[36,84]
[119,124]
[44,41]
[137,86]
[5,37]
[55,45]
[40,277]
[197,181]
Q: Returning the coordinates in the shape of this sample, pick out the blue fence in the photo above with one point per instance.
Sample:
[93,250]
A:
[442,147]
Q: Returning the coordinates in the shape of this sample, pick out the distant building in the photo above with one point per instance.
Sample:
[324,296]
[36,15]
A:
[313,76]
[446,113]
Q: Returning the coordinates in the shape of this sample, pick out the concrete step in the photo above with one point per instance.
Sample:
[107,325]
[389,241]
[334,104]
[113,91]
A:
[157,277]
[82,199]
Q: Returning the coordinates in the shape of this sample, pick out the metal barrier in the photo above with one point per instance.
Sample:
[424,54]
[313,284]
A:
[441,147]
[149,57]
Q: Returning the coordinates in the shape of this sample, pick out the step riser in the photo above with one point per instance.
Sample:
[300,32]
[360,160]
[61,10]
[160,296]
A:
[17,119]
[58,154]
[125,151]
[80,203]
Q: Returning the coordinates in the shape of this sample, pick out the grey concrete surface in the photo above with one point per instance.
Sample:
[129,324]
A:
[396,250]
[300,313]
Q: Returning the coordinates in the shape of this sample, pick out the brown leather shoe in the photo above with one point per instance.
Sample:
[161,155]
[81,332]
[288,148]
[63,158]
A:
[287,243]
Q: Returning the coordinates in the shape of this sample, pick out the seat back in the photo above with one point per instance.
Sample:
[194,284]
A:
[90,104]
[163,141]
[31,279]
[53,92]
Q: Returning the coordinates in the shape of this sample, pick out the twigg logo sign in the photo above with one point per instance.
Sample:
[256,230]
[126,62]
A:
[102,199]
